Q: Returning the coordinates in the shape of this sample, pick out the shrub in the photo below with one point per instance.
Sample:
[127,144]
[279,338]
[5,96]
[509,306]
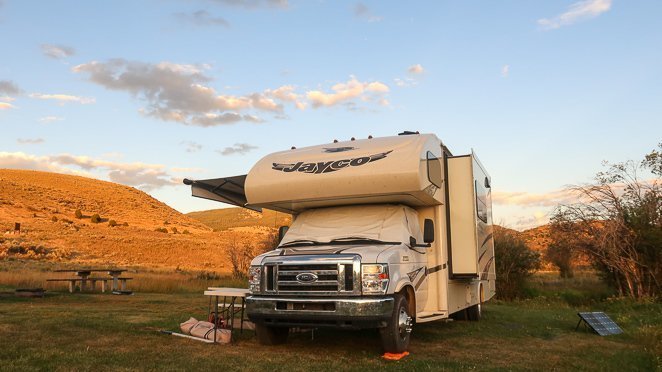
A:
[515,263]
[78,213]
[161,229]
[54,219]
[125,224]
[186,232]
[174,230]
[112,223]
[95,218]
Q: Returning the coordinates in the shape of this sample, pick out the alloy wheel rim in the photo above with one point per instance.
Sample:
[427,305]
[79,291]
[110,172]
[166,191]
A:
[404,323]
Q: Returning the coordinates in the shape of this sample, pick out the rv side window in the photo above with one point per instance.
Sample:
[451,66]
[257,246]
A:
[481,201]
[434,169]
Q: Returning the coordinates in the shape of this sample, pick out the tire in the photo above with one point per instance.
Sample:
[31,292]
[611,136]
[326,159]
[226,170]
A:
[460,315]
[267,335]
[475,312]
[397,333]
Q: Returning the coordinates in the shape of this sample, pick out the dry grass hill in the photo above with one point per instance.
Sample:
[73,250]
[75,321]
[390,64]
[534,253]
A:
[133,228]
[46,205]
[240,218]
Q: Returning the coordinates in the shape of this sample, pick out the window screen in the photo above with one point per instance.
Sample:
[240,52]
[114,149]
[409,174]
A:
[434,169]
[481,201]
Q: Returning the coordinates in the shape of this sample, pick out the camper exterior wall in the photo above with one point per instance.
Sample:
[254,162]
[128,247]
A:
[378,170]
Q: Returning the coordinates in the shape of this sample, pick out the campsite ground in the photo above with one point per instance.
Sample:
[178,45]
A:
[65,331]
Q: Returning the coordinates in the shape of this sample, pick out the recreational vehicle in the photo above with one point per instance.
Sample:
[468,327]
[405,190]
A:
[386,233]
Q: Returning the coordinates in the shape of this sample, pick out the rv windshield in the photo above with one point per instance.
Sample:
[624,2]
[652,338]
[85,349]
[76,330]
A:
[360,224]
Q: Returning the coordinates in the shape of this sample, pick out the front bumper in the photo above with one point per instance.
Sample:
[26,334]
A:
[320,312]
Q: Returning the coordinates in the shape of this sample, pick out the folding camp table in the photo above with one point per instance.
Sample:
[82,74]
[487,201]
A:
[229,310]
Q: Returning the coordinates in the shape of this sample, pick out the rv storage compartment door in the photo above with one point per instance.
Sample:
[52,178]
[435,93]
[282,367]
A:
[462,201]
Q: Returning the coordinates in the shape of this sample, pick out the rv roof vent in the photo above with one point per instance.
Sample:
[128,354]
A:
[407,133]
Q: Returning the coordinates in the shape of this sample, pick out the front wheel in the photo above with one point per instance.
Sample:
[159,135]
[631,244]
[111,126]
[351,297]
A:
[396,335]
[267,335]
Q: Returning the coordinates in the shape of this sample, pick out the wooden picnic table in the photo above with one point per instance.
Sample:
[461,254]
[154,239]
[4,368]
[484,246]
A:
[84,277]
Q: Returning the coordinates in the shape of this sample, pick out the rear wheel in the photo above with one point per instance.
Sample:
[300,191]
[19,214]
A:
[268,335]
[396,335]
[475,312]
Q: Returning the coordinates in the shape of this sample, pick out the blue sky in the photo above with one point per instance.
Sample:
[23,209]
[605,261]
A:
[148,92]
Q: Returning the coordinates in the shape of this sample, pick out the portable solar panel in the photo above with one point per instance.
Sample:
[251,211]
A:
[599,322]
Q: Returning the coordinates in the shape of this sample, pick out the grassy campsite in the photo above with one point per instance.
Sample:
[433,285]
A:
[104,332]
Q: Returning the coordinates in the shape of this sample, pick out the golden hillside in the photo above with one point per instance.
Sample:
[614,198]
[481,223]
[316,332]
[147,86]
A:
[45,205]
[237,218]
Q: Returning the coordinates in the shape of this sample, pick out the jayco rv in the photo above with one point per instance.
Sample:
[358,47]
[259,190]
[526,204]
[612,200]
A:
[386,232]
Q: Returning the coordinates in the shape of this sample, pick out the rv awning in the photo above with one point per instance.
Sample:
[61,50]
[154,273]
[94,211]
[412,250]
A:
[228,190]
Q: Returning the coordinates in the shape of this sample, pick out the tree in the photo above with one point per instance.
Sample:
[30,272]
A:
[243,248]
[617,223]
[561,251]
[514,263]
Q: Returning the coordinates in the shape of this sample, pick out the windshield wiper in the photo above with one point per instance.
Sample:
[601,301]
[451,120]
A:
[360,240]
[339,241]
[300,242]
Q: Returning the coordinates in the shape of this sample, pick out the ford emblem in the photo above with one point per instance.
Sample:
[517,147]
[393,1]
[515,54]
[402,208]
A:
[306,278]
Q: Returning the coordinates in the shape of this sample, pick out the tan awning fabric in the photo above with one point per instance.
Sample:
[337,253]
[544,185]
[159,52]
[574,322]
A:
[227,190]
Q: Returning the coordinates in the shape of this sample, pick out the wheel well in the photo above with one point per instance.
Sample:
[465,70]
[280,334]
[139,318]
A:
[410,295]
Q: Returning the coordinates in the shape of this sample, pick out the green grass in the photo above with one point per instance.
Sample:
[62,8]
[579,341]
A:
[103,332]
[77,331]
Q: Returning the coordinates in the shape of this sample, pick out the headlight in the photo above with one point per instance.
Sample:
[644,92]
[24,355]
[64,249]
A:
[374,279]
[254,276]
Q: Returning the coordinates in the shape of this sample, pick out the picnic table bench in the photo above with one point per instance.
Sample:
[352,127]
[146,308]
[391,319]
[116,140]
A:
[83,276]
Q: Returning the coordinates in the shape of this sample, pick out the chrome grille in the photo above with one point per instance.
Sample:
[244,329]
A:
[334,275]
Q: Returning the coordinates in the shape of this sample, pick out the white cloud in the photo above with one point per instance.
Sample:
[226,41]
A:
[405,82]
[57,51]
[363,12]
[6,106]
[238,148]
[63,98]
[253,4]
[578,11]
[50,119]
[505,71]
[191,146]
[30,141]
[550,199]
[345,92]
[141,175]
[177,92]
[202,18]
[286,93]
[416,69]
[9,88]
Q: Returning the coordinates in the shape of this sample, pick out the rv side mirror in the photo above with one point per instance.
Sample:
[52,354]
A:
[281,232]
[428,231]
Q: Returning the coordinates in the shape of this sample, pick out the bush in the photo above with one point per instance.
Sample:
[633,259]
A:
[95,218]
[186,232]
[78,213]
[515,263]
[112,223]
[54,219]
[125,224]
[174,230]
[161,229]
